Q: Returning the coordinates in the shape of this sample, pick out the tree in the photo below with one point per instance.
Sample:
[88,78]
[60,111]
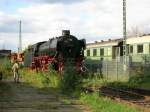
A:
[137,31]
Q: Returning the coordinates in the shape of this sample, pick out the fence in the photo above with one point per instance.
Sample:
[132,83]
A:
[116,70]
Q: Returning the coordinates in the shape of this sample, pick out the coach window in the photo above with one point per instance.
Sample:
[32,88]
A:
[140,48]
[131,49]
[88,52]
[94,52]
[102,52]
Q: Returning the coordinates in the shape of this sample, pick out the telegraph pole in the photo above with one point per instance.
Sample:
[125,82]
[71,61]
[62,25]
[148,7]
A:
[124,35]
[20,38]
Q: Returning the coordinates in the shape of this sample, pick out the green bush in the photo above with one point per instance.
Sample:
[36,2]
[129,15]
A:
[70,81]
[136,80]
[140,81]
[5,67]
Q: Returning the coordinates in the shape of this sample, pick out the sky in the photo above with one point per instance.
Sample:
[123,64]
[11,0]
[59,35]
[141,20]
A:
[93,20]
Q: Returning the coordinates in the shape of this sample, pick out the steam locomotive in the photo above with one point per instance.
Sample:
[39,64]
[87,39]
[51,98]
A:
[57,52]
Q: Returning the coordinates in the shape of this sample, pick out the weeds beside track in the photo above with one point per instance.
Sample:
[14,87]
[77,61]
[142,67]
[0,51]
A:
[128,95]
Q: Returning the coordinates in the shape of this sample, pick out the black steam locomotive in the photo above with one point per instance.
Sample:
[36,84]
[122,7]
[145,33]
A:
[57,51]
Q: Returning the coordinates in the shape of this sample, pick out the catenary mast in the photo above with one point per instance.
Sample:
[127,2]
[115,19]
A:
[124,33]
[20,38]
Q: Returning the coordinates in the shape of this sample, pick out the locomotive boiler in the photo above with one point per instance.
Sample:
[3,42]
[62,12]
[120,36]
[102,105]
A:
[57,52]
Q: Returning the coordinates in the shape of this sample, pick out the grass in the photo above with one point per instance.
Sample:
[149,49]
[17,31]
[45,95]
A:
[71,82]
[104,104]
[138,81]
[5,68]
[95,101]
[94,82]
[99,103]
[40,79]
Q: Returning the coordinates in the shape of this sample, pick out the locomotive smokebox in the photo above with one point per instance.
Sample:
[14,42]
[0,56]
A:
[65,32]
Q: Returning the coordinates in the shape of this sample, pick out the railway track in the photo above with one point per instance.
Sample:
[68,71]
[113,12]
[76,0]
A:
[139,97]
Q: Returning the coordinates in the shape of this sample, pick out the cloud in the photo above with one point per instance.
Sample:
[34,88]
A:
[89,19]
[59,16]
[55,1]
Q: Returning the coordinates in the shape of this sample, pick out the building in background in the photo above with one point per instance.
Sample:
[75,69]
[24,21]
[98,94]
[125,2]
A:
[5,53]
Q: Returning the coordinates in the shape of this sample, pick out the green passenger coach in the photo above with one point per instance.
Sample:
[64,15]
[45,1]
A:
[137,48]
[107,50]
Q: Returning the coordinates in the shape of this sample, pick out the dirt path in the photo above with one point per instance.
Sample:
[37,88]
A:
[23,98]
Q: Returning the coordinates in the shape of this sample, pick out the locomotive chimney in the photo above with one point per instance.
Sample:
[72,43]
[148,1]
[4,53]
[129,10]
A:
[65,32]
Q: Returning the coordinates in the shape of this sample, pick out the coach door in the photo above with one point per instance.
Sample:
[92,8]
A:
[115,52]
